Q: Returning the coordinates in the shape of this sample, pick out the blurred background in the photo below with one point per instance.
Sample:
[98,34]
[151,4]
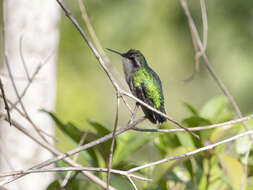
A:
[86,99]
[160,31]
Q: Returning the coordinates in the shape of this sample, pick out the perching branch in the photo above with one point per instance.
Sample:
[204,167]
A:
[113,81]
[200,128]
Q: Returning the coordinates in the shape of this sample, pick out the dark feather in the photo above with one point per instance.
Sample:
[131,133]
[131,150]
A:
[152,116]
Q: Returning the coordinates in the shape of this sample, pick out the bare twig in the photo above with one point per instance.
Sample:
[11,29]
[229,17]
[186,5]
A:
[19,99]
[37,70]
[50,148]
[208,66]
[114,83]
[113,141]
[90,144]
[23,58]
[132,182]
[205,24]
[5,102]
[74,151]
[127,105]
[200,128]
[188,154]
[134,113]
[67,177]
[245,164]
[64,169]
[160,113]
[97,43]
[202,53]
[91,30]
[23,115]
[93,49]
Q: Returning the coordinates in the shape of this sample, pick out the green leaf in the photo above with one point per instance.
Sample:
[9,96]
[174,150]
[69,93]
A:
[242,144]
[101,130]
[54,185]
[220,133]
[120,183]
[129,144]
[76,135]
[233,169]
[216,110]
[76,182]
[162,184]
[192,109]
[195,121]
[162,169]
[70,129]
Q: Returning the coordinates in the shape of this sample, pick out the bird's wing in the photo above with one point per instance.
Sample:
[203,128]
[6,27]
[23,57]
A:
[158,83]
[141,93]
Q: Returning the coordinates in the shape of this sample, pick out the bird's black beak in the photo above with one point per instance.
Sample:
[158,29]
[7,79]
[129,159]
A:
[114,51]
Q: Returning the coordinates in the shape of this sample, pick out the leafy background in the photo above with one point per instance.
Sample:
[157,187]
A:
[159,29]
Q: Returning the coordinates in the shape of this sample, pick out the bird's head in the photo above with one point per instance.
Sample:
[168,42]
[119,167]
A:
[134,56]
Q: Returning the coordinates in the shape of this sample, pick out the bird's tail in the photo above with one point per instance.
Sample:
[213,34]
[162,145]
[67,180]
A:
[158,117]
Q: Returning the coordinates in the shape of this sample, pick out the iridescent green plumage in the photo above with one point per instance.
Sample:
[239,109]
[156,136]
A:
[144,83]
[153,90]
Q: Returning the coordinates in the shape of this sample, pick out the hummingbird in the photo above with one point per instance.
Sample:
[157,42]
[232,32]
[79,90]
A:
[144,83]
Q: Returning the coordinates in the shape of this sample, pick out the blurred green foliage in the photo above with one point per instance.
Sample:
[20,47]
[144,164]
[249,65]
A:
[220,168]
[159,29]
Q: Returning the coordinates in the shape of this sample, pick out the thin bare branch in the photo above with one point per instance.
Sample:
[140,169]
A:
[23,115]
[68,175]
[91,30]
[93,49]
[100,60]
[207,64]
[188,154]
[97,43]
[200,128]
[113,141]
[132,182]
[64,169]
[51,148]
[30,81]
[134,113]
[19,99]
[127,105]
[23,58]
[5,102]
[205,24]
[245,166]
[160,113]
[65,156]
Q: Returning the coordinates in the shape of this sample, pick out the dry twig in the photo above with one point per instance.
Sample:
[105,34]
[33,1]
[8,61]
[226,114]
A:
[113,81]
[20,100]
[51,148]
[200,128]
[113,141]
[68,175]
[5,102]
[188,154]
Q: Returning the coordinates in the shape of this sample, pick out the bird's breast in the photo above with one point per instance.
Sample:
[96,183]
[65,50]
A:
[128,69]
